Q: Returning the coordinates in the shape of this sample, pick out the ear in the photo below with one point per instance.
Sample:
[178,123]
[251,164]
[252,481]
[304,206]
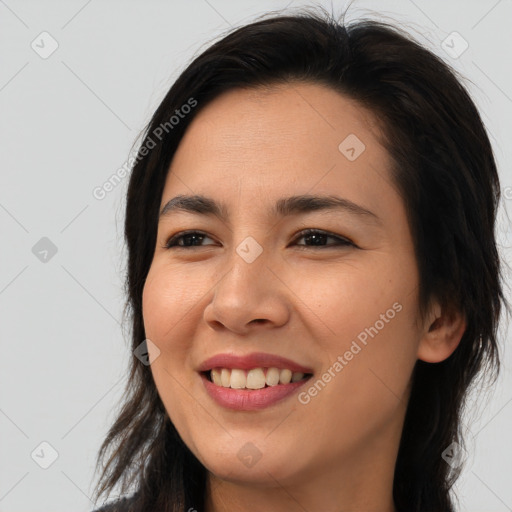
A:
[442,334]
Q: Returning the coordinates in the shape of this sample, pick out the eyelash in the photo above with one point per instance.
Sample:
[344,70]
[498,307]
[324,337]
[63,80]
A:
[342,242]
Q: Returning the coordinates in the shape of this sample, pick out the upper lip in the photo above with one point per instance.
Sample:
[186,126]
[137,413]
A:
[253,360]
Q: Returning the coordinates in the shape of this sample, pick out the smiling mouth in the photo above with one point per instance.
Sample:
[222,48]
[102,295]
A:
[253,379]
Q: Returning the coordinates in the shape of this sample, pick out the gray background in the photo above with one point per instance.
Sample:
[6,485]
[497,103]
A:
[68,122]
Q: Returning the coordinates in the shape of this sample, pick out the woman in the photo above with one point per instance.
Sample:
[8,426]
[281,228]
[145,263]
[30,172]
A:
[313,277]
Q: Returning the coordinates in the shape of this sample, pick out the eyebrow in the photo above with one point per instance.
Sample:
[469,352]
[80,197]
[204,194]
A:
[301,204]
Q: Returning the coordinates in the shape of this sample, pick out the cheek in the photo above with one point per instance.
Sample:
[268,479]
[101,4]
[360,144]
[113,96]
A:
[168,311]
[364,382]
[156,306]
[168,300]
[348,298]
[370,314]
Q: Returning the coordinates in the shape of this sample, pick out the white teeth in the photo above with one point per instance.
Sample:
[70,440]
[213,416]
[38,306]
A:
[225,377]
[217,379]
[285,376]
[272,378]
[238,379]
[256,378]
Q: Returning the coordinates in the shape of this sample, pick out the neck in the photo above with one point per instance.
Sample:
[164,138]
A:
[364,482]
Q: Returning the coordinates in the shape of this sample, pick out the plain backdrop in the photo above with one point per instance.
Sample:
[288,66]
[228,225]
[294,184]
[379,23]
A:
[78,82]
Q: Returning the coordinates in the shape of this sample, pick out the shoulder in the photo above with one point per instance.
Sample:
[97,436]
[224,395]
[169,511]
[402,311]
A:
[125,504]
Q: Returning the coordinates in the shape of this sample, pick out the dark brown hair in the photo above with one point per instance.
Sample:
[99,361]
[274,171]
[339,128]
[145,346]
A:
[444,169]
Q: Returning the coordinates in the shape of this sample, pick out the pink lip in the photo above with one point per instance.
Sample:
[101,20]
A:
[253,360]
[249,400]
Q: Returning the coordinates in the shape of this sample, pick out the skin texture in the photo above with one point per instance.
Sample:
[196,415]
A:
[306,302]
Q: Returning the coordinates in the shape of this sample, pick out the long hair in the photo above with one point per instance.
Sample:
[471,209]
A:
[443,167]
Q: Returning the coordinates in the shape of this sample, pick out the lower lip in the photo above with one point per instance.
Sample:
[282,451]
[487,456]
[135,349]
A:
[250,400]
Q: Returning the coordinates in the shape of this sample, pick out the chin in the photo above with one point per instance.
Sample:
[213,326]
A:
[248,465]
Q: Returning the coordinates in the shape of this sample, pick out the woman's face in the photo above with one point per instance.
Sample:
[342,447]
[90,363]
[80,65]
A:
[341,303]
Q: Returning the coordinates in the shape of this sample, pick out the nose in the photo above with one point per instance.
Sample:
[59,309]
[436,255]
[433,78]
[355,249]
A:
[249,296]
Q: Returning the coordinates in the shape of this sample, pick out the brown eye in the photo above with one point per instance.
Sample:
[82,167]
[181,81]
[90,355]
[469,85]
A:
[313,238]
[317,237]
[194,238]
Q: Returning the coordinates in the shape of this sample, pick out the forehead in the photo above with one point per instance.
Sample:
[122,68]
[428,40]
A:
[261,144]
[292,122]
